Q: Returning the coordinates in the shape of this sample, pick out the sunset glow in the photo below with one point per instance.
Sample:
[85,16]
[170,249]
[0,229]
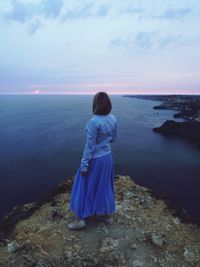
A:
[36,92]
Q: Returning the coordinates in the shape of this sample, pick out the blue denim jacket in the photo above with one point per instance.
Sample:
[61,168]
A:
[101,131]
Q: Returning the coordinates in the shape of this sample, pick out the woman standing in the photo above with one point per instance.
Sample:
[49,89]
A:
[93,188]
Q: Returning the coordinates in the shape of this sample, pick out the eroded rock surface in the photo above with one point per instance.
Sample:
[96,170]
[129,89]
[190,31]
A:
[144,233]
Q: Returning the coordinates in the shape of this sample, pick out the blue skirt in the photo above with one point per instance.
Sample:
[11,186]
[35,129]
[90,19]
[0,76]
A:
[94,194]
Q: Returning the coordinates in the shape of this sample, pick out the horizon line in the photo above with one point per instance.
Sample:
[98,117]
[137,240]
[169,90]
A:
[30,93]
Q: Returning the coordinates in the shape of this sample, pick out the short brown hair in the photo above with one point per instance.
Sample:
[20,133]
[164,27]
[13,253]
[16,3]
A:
[101,104]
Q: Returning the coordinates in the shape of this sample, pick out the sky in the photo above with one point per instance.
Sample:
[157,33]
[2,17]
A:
[85,46]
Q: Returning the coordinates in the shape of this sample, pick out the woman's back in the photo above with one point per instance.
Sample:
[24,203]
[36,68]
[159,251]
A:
[106,129]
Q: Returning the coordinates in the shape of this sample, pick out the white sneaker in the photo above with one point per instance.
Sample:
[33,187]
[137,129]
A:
[76,224]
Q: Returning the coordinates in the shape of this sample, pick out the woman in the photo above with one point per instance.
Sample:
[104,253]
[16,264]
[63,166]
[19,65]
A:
[93,188]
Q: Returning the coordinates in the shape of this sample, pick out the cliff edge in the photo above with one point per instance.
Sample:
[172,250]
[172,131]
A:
[144,233]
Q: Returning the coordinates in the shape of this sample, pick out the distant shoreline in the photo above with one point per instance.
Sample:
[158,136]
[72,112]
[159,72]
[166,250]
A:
[187,107]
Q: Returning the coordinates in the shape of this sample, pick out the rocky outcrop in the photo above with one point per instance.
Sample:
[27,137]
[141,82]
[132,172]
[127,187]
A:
[187,105]
[187,130]
[144,233]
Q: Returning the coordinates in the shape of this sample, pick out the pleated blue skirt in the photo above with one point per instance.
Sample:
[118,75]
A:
[94,194]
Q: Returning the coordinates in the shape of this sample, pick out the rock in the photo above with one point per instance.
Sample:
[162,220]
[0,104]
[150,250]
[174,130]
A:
[130,194]
[157,240]
[142,201]
[146,201]
[188,130]
[104,229]
[108,244]
[154,258]
[118,257]
[190,254]
[176,221]
[72,238]
[68,253]
[29,260]
[41,263]
[134,246]
[138,263]
[173,248]
[15,215]
[12,247]
[57,213]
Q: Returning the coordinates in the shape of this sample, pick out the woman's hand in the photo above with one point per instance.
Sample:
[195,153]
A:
[84,173]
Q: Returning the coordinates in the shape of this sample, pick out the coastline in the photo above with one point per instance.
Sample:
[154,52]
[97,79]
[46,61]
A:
[186,107]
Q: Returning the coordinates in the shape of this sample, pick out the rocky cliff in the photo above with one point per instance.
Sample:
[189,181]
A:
[144,233]
[186,130]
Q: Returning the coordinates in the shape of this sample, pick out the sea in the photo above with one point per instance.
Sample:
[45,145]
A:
[42,138]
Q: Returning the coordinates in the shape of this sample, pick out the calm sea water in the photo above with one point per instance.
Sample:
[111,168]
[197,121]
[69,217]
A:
[42,139]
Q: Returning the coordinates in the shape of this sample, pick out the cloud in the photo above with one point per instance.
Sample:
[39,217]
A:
[118,43]
[103,10]
[20,12]
[178,40]
[29,13]
[174,14]
[23,12]
[78,11]
[86,10]
[34,26]
[145,40]
[132,11]
[50,9]
[142,41]
[168,14]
